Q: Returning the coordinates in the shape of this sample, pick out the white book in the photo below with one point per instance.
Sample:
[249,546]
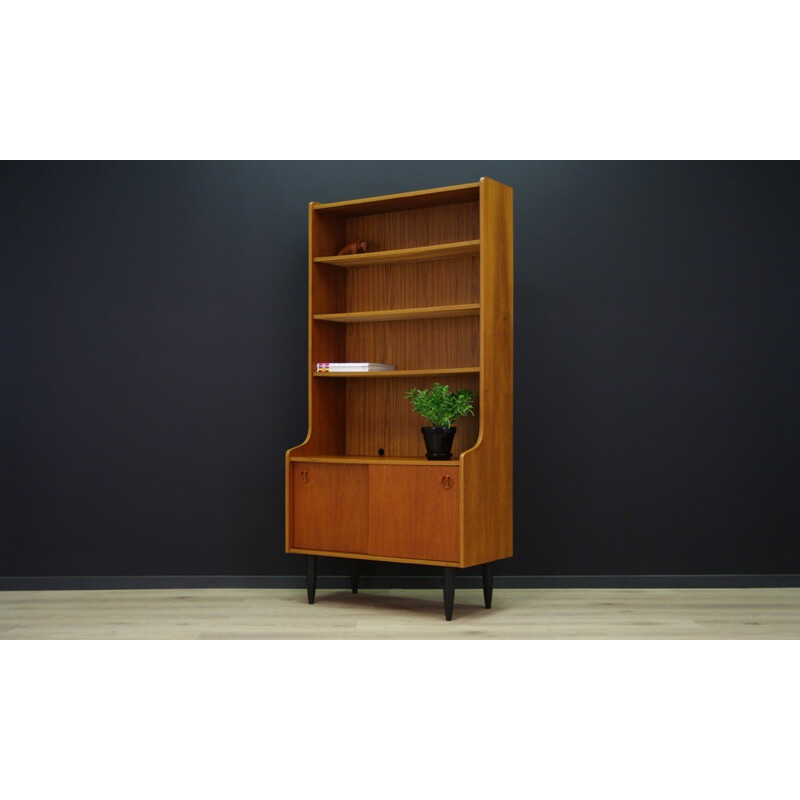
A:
[353,366]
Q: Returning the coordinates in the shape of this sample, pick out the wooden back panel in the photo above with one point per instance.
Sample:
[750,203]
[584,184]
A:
[451,342]
[417,227]
[420,284]
[380,417]
[377,415]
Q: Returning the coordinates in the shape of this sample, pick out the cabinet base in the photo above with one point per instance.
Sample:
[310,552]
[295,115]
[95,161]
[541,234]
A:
[449,575]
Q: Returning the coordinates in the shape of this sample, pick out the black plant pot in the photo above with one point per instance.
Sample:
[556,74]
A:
[438,443]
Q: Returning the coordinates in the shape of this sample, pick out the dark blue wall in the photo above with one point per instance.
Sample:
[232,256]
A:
[154,341]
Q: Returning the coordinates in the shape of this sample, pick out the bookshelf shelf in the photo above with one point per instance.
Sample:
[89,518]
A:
[435,297]
[404,201]
[427,253]
[420,461]
[401,373]
[396,314]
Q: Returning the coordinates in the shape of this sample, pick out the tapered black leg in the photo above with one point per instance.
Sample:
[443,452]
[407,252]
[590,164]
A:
[311,577]
[354,575]
[487,585]
[449,591]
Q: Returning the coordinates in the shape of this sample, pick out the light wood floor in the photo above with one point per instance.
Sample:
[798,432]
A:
[402,614]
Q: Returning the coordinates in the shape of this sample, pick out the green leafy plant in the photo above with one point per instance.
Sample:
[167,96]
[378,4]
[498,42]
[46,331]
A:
[441,406]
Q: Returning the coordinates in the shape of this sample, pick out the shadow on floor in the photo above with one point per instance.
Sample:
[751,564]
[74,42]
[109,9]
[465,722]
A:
[400,603]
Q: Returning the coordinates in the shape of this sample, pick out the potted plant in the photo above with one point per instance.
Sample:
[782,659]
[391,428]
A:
[440,407]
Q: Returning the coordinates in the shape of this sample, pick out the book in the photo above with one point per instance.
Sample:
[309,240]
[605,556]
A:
[353,366]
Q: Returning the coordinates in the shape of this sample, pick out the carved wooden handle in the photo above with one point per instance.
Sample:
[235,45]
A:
[304,476]
[447,482]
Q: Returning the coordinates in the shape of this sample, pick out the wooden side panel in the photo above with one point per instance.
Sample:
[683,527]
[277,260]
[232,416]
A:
[326,404]
[488,468]
[327,289]
[414,512]
[326,341]
[330,507]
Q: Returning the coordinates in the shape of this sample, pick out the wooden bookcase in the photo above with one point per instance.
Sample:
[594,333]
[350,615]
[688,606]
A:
[434,295]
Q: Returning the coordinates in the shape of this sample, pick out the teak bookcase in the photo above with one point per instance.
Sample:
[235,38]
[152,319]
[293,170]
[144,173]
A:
[433,294]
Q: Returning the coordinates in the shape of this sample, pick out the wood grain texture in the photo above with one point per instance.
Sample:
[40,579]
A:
[326,289]
[393,315]
[416,227]
[367,557]
[380,417]
[401,373]
[426,198]
[418,461]
[516,614]
[330,507]
[427,253]
[414,512]
[415,344]
[488,468]
[326,402]
[413,284]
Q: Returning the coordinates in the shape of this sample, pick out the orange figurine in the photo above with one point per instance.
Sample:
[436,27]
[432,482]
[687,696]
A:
[353,248]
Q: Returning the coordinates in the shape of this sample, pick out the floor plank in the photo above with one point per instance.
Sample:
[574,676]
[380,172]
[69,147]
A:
[770,613]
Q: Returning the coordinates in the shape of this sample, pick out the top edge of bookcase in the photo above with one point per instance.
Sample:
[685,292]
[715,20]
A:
[448,195]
